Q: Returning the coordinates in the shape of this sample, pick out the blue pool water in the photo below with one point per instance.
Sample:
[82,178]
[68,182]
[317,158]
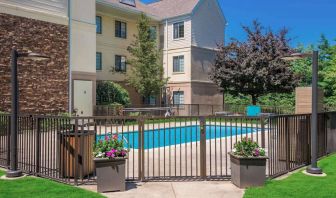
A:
[178,135]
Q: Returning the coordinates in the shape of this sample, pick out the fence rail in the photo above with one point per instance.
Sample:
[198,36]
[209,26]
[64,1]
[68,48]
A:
[174,148]
[183,110]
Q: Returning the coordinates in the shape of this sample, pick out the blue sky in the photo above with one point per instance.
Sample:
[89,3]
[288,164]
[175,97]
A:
[306,19]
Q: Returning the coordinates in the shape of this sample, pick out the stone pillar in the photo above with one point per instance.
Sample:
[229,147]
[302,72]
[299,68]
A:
[303,100]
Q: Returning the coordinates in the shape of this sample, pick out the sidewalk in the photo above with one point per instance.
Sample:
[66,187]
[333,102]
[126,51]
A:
[194,189]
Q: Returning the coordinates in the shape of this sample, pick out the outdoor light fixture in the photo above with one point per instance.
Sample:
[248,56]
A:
[312,169]
[13,170]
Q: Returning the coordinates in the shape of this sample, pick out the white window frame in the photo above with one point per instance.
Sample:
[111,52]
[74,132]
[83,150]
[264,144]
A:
[179,58]
[179,37]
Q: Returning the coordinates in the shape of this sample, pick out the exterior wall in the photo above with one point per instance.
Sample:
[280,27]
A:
[109,46]
[50,11]
[208,25]
[168,68]
[83,59]
[183,86]
[201,60]
[205,93]
[43,86]
[169,41]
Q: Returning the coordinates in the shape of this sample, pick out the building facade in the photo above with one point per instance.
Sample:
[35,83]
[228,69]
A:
[87,41]
[187,32]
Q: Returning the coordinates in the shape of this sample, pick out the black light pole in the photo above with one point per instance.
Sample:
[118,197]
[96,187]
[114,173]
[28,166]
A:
[13,169]
[312,169]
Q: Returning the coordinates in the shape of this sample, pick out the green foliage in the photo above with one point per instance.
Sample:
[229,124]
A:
[248,148]
[109,148]
[110,93]
[255,67]
[146,74]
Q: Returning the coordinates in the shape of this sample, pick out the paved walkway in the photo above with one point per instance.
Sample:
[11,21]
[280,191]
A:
[195,189]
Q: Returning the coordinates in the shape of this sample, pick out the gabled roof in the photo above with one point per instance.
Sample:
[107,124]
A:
[171,8]
[160,9]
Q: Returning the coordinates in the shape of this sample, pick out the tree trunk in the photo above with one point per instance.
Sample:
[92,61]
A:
[254,100]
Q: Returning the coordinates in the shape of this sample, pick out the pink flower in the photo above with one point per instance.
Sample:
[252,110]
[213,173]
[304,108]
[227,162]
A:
[110,154]
[107,138]
[256,152]
[123,153]
[113,151]
[115,136]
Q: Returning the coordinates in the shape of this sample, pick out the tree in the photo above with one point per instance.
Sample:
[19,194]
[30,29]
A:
[254,67]
[146,74]
[109,93]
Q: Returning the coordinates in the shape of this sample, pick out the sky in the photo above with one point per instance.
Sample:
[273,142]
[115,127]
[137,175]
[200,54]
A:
[305,19]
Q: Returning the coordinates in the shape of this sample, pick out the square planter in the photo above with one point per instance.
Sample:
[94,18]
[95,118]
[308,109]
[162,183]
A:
[248,171]
[110,174]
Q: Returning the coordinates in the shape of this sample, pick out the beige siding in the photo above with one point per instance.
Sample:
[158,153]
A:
[169,40]
[109,45]
[36,10]
[168,68]
[56,7]
[207,25]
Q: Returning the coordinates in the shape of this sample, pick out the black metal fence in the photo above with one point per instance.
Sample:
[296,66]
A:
[174,148]
[184,110]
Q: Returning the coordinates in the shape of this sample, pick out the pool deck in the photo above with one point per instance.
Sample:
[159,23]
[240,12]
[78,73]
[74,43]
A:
[195,189]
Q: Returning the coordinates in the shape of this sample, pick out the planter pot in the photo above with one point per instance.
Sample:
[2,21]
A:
[110,174]
[248,171]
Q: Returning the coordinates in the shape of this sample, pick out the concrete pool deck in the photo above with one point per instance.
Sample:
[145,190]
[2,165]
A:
[194,189]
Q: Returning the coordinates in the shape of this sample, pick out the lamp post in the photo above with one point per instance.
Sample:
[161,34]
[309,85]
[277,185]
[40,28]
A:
[13,170]
[312,169]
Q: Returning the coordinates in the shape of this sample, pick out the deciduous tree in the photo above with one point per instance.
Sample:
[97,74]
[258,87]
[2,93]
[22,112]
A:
[254,67]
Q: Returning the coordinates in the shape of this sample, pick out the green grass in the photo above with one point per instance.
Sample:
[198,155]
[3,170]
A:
[300,185]
[41,188]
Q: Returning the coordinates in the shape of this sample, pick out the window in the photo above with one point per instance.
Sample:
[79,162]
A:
[152,32]
[120,29]
[98,61]
[178,64]
[178,97]
[98,24]
[120,63]
[178,30]
[151,100]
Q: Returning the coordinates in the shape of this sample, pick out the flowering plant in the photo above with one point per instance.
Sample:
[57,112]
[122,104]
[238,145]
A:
[110,148]
[248,148]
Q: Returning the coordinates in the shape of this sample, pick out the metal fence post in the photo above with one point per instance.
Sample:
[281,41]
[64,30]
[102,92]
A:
[8,141]
[76,153]
[38,147]
[202,148]
[262,123]
[141,150]
[287,137]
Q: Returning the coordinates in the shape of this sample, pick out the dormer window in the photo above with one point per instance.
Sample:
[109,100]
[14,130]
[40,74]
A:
[178,30]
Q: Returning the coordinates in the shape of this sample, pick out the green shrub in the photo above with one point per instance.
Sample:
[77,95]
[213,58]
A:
[110,93]
[248,148]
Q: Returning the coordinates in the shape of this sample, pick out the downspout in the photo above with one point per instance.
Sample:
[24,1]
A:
[70,56]
[167,59]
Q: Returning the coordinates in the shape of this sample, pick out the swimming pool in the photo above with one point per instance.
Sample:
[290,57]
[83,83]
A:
[157,138]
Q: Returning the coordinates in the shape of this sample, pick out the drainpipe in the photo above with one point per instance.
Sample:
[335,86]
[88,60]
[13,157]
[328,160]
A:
[167,40]
[70,55]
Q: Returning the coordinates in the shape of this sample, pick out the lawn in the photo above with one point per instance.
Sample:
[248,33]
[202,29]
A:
[40,188]
[299,185]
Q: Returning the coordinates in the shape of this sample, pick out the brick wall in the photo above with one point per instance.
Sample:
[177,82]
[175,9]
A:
[43,85]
